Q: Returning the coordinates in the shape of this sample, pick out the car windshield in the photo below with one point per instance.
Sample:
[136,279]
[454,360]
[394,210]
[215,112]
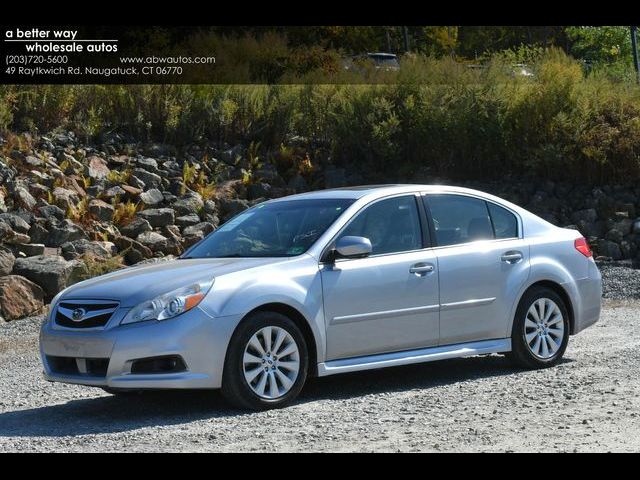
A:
[386,60]
[278,229]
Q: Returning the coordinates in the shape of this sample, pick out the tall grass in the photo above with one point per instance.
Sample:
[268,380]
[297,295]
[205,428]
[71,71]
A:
[433,116]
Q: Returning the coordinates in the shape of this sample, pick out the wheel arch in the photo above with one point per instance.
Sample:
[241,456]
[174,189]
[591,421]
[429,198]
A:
[301,322]
[560,291]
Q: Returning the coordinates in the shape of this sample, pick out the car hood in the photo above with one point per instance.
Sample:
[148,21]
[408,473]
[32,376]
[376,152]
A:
[133,285]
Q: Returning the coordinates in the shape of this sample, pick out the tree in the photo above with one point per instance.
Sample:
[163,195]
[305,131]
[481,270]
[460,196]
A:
[600,44]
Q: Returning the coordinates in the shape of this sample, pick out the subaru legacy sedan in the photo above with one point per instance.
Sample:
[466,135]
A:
[330,282]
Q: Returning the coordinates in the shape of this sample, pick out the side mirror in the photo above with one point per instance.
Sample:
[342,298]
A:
[353,247]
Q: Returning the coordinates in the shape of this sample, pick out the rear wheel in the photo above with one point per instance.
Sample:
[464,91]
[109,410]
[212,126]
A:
[266,364]
[540,329]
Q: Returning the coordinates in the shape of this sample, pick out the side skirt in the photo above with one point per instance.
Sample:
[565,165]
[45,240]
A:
[409,357]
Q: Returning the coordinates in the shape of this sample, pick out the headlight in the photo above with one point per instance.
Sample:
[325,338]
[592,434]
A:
[170,304]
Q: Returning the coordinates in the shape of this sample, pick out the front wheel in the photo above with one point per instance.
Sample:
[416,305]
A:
[540,329]
[266,364]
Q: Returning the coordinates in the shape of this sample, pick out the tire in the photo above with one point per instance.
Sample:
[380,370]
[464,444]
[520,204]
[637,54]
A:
[248,380]
[532,341]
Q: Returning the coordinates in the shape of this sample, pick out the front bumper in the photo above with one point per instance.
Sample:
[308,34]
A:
[199,339]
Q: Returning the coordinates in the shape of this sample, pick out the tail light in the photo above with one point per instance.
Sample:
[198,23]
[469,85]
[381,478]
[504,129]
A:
[583,247]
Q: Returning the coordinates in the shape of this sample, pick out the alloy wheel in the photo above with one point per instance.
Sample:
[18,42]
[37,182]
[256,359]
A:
[271,362]
[544,328]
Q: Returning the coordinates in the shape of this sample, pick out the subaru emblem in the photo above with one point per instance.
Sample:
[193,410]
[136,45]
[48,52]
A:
[78,314]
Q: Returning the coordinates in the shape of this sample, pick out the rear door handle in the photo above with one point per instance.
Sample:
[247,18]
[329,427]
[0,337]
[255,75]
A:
[512,256]
[421,269]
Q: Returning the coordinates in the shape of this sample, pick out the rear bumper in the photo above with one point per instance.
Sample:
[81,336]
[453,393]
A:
[589,302]
[198,339]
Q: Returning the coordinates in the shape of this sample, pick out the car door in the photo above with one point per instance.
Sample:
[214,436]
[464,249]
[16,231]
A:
[387,301]
[483,262]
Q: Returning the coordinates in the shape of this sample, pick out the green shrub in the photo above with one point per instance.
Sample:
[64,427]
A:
[95,265]
[434,116]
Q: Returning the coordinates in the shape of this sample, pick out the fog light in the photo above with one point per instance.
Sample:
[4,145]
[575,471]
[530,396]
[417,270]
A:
[166,364]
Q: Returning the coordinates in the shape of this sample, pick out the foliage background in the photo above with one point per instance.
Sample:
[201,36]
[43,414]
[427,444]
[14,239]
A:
[577,118]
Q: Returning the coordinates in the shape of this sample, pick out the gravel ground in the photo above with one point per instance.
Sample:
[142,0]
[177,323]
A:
[590,402]
[620,282]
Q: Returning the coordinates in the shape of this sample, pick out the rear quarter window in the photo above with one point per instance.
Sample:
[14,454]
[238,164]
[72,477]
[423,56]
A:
[505,223]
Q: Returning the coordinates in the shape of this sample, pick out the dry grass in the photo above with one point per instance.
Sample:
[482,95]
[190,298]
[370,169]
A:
[124,212]
[96,265]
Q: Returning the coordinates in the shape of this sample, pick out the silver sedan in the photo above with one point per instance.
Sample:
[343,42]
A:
[329,282]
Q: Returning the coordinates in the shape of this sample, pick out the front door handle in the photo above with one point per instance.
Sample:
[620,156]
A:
[421,269]
[512,256]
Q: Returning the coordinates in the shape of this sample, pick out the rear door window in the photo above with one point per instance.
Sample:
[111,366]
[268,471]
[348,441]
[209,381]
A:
[459,219]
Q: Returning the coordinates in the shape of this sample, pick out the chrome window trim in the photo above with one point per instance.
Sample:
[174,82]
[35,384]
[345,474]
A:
[477,197]
[325,249]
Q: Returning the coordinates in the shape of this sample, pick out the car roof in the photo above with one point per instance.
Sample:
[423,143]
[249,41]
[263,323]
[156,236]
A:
[382,54]
[366,193]
[374,191]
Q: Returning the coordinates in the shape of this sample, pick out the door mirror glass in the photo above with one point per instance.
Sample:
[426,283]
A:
[353,247]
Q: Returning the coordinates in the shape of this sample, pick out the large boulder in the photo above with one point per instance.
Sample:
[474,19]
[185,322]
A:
[187,220]
[30,249]
[195,233]
[614,235]
[51,212]
[132,250]
[158,217]
[258,190]
[150,261]
[115,191]
[148,164]
[202,228]
[97,168]
[609,249]
[38,232]
[152,197]
[3,205]
[101,210]
[64,197]
[188,204]
[621,223]
[6,261]
[6,173]
[153,240]
[132,192]
[589,215]
[149,179]
[66,231]
[210,207]
[160,243]
[232,206]
[19,297]
[16,222]
[136,227]
[24,198]
[52,272]
[33,161]
[8,235]
[78,248]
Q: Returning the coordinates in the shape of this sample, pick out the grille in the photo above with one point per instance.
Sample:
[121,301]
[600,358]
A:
[84,314]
